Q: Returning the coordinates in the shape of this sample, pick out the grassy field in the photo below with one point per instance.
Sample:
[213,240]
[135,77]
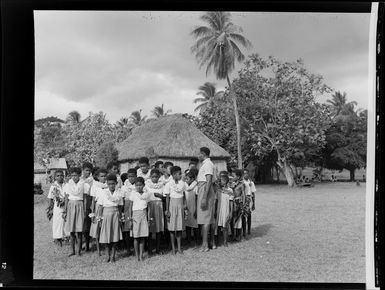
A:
[298,235]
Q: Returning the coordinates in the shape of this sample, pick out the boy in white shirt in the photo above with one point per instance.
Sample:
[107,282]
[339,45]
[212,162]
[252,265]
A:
[144,168]
[89,179]
[250,201]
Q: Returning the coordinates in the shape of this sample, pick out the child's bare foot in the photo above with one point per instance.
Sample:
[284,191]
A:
[72,254]
[173,252]
[180,252]
[113,260]
[79,254]
[108,260]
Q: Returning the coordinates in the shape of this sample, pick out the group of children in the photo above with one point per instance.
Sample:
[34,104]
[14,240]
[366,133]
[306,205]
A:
[146,205]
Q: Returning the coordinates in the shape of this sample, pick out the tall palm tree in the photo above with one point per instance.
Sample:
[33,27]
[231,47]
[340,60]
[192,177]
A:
[217,47]
[73,117]
[123,122]
[208,94]
[340,106]
[159,111]
[136,118]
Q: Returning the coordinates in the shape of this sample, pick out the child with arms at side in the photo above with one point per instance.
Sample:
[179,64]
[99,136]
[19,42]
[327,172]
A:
[112,202]
[225,212]
[176,207]
[191,200]
[89,179]
[139,216]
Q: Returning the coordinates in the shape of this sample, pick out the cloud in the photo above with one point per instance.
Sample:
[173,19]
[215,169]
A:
[121,61]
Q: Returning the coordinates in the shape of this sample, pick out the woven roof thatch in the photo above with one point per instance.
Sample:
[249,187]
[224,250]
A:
[171,136]
[54,163]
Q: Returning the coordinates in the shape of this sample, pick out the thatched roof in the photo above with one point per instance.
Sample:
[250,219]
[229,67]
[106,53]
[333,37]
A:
[171,136]
[54,163]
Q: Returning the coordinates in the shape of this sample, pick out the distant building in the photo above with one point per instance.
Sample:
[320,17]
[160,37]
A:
[169,138]
[41,173]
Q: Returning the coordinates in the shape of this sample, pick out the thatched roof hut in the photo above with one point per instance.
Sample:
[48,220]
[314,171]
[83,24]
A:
[169,138]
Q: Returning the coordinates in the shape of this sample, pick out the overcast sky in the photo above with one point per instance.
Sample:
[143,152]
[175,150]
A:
[118,61]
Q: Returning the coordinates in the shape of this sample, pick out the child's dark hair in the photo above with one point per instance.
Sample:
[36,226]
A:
[175,169]
[157,163]
[112,164]
[144,160]
[238,172]
[132,171]
[58,171]
[76,170]
[112,176]
[225,177]
[194,171]
[123,177]
[136,167]
[87,165]
[167,164]
[205,150]
[101,170]
[140,180]
[191,174]
[155,171]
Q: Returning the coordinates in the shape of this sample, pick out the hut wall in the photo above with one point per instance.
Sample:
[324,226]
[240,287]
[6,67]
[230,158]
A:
[39,178]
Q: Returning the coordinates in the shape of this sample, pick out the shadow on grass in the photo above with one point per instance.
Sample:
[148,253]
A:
[260,231]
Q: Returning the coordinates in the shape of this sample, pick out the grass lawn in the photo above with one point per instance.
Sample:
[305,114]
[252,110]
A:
[298,235]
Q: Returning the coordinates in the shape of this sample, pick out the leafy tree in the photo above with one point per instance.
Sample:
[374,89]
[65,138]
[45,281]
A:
[278,100]
[47,121]
[338,103]
[137,118]
[217,47]
[73,117]
[123,122]
[106,153]
[84,140]
[208,94]
[159,111]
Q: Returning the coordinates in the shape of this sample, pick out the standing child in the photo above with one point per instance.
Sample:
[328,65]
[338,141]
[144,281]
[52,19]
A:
[144,168]
[139,199]
[155,206]
[191,200]
[87,178]
[73,214]
[128,188]
[164,179]
[250,200]
[96,205]
[112,202]
[57,201]
[225,213]
[176,207]
[238,188]
[113,168]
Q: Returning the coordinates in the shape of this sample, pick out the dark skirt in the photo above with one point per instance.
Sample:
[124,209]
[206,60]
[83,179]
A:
[126,226]
[110,231]
[87,219]
[75,216]
[157,215]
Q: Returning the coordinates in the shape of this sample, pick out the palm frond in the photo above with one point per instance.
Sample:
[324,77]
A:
[241,39]
[201,31]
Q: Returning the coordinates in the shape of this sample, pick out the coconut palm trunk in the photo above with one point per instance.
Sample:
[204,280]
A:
[237,124]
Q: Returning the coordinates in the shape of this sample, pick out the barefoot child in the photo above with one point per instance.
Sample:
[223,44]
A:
[96,206]
[139,199]
[75,190]
[156,209]
[238,188]
[128,188]
[112,202]
[250,200]
[144,170]
[87,178]
[164,179]
[191,200]
[56,196]
[176,207]
[225,197]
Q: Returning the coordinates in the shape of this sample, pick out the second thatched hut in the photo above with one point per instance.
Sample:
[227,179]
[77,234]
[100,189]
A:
[169,138]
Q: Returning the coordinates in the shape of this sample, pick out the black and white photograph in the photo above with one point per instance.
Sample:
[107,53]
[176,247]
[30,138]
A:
[200,146]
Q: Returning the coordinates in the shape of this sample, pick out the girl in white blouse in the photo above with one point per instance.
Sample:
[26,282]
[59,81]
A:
[74,210]
[176,207]
[139,199]
[112,201]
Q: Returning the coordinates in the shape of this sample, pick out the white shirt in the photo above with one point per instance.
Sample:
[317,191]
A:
[207,168]
[75,191]
[175,190]
[146,176]
[154,188]
[127,188]
[139,201]
[96,190]
[89,180]
[250,187]
[192,188]
[164,180]
[108,199]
